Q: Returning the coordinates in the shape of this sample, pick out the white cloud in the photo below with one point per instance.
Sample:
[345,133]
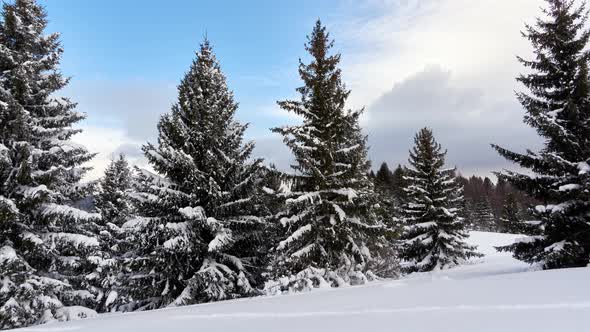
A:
[121,117]
[464,119]
[447,64]
[476,40]
[104,142]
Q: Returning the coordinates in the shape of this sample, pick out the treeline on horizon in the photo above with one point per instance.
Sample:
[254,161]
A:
[212,222]
[488,206]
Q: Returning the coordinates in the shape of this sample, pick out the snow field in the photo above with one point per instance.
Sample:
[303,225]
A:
[490,294]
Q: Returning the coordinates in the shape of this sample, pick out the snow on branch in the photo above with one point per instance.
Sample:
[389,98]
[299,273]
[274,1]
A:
[295,236]
[221,239]
[310,197]
[56,210]
[7,255]
[9,204]
[77,240]
[348,149]
[193,212]
[304,251]
[584,168]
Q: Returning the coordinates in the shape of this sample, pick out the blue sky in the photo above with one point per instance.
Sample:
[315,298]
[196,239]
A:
[447,64]
[129,41]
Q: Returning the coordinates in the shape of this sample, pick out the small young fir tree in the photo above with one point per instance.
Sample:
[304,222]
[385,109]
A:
[433,235]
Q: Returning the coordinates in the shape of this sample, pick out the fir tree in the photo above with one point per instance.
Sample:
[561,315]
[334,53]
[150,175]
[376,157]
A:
[199,231]
[482,216]
[43,239]
[384,189]
[328,223]
[398,184]
[384,179]
[114,202]
[512,220]
[434,235]
[557,107]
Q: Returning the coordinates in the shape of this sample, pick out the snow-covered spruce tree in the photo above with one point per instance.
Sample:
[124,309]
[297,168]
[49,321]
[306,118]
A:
[557,106]
[330,232]
[114,203]
[433,235]
[384,189]
[113,199]
[199,234]
[43,239]
[482,216]
[513,219]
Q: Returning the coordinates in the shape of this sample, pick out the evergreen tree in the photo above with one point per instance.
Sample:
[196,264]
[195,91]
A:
[512,220]
[557,107]
[384,189]
[399,184]
[482,216]
[434,234]
[384,179]
[329,226]
[199,231]
[43,239]
[114,203]
[113,200]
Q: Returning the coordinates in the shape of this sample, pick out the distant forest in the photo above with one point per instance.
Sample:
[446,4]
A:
[489,206]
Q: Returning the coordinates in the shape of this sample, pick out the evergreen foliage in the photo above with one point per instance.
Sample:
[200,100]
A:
[44,240]
[557,107]
[199,228]
[398,183]
[433,236]
[384,188]
[330,231]
[384,179]
[483,216]
[514,220]
[114,202]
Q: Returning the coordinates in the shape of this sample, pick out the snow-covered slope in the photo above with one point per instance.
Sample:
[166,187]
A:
[495,293]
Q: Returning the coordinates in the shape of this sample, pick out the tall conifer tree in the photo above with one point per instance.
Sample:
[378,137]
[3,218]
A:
[43,239]
[328,223]
[199,234]
[434,234]
[557,106]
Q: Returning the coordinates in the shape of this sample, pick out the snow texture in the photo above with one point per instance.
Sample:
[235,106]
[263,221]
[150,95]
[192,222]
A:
[7,254]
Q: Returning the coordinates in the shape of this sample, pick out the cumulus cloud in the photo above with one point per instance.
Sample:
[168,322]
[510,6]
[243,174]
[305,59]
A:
[104,141]
[134,106]
[476,40]
[465,119]
[446,64]
[121,117]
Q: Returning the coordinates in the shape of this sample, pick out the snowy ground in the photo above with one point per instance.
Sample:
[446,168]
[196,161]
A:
[496,293]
